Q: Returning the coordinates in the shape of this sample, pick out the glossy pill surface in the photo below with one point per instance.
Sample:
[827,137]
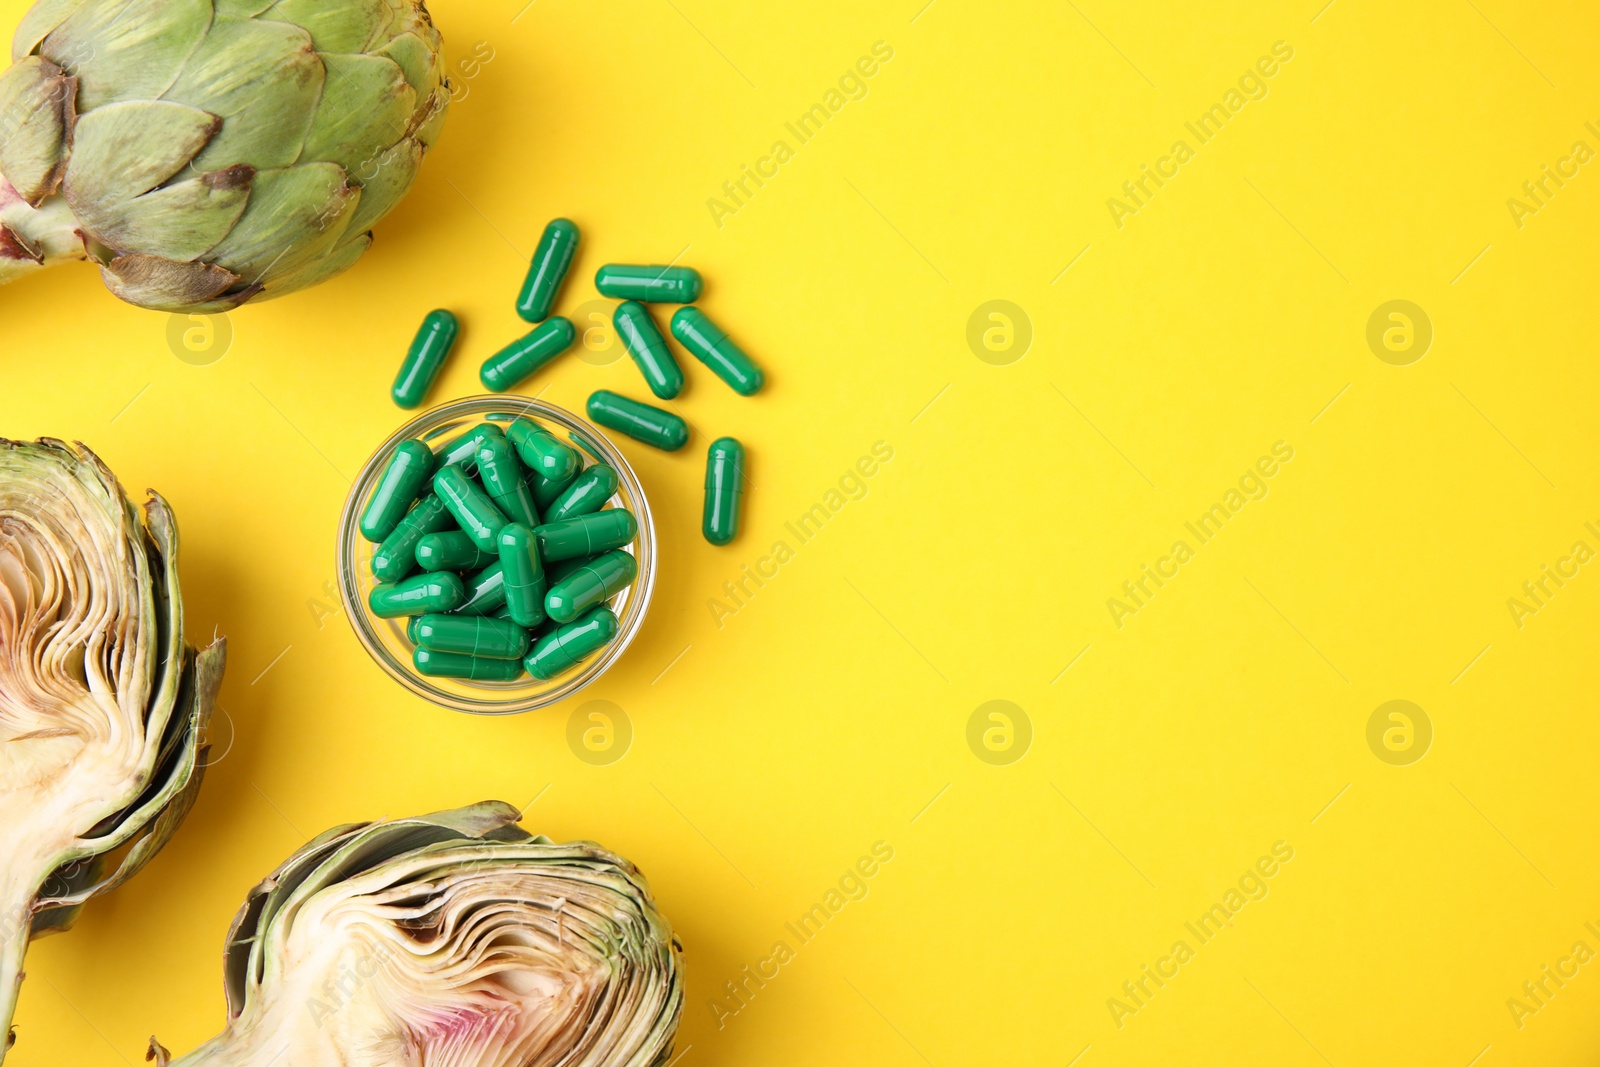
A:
[506,481]
[404,479]
[451,550]
[473,510]
[426,356]
[596,582]
[587,535]
[707,342]
[540,451]
[653,285]
[641,422]
[463,451]
[571,644]
[724,490]
[514,363]
[643,340]
[472,668]
[586,495]
[485,592]
[548,270]
[421,594]
[524,575]
[397,556]
[472,635]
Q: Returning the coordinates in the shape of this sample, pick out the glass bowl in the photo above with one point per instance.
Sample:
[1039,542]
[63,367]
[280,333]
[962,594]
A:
[385,639]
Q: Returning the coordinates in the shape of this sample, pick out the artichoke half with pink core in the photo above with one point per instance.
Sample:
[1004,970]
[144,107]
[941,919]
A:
[103,704]
[205,153]
[451,940]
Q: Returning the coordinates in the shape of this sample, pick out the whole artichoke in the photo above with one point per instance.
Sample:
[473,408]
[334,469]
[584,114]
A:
[103,707]
[455,938]
[209,152]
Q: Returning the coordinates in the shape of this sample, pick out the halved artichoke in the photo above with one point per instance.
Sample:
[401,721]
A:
[103,707]
[450,940]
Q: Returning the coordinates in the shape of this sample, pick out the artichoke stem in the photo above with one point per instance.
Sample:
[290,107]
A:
[15,926]
[32,238]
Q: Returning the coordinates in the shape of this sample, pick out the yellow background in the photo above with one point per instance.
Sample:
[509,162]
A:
[831,712]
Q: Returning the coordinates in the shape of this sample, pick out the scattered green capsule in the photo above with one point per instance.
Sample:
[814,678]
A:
[541,452]
[707,342]
[586,535]
[586,495]
[473,510]
[463,451]
[724,490]
[472,668]
[594,583]
[524,575]
[451,550]
[653,285]
[570,645]
[643,340]
[486,591]
[425,358]
[548,270]
[472,636]
[397,556]
[404,479]
[514,363]
[641,422]
[506,481]
[421,594]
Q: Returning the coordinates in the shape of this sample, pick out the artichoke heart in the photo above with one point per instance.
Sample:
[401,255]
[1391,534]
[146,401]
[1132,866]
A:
[103,706]
[205,153]
[451,940]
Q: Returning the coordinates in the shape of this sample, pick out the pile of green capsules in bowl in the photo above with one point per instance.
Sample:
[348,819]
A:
[519,556]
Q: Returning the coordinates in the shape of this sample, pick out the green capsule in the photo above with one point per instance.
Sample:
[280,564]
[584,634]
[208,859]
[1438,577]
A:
[451,550]
[641,422]
[570,645]
[472,636]
[586,535]
[557,570]
[586,495]
[587,446]
[524,575]
[545,492]
[549,269]
[649,350]
[473,510]
[404,479]
[463,451]
[397,556]
[506,481]
[653,285]
[425,358]
[594,583]
[514,363]
[541,452]
[472,668]
[724,490]
[411,628]
[706,342]
[421,594]
[486,591]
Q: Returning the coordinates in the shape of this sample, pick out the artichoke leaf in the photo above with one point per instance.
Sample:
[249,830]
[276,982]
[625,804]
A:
[36,100]
[184,219]
[318,271]
[165,285]
[42,18]
[294,216]
[124,150]
[348,26]
[366,107]
[264,80]
[128,50]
